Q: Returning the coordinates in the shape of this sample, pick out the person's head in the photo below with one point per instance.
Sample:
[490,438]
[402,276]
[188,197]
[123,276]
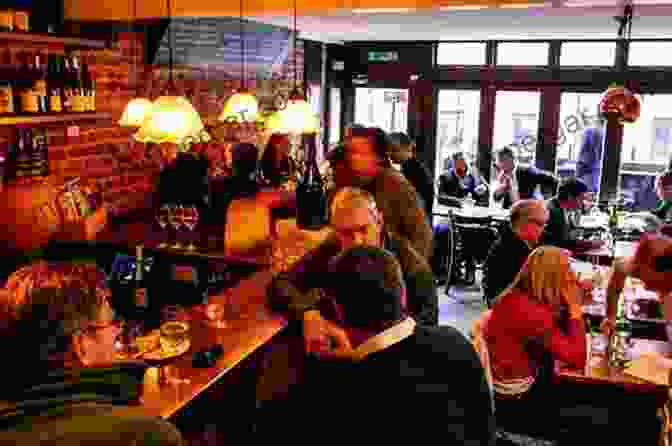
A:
[355,218]
[244,159]
[644,264]
[547,276]
[64,318]
[459,163]
[572,193]
[365,152]
[664,186]
[528,219]
[505,160]
[368,286]
[401,147]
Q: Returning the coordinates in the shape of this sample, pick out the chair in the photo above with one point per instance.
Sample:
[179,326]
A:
[473,239]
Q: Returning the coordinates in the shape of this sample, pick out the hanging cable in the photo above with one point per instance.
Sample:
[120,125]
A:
[295,33]
[170,48]
[242,48]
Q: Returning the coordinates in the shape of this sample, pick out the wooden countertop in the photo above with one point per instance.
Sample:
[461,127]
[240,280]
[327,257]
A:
[250,326]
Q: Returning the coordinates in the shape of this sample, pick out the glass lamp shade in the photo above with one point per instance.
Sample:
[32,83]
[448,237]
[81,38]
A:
[622,102]
[296,117]
[241,107]
[136,112]
[173,120]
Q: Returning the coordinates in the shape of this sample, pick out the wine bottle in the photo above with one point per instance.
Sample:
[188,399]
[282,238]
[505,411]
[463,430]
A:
[67,85]
[54,83]
[141,300]
[40,85]
[77,91]
[311,199]
[6,97]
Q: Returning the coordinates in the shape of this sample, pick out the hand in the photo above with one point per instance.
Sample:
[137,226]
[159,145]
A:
[480,189]
[319,333]
[607,326]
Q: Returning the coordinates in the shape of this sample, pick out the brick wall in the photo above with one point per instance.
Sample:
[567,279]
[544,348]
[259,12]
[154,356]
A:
[106,154]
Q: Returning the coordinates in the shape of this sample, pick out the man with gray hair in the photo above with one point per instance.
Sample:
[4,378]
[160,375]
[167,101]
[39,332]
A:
[516,241]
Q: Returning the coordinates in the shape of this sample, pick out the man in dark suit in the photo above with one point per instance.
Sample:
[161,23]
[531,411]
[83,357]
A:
[515,182]
[402,151]
[459,182]
[397,379]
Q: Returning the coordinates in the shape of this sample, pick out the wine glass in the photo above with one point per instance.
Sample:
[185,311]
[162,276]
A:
[191,221]
[176,222]
[162,219]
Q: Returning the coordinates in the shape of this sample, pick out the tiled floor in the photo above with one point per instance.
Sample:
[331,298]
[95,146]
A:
[460,307]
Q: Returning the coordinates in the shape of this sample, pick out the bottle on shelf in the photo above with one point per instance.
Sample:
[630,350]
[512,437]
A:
[27,76]
[23,152]
[68,91]
[78,103]
[54,85]
[40,153]
[6,97]
[7,20]
[40,85]
[311,198]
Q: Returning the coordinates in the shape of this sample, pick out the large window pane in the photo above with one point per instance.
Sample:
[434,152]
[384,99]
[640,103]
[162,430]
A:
[590,54]
[469,53]
[457,126]
[334,115]
[647,147]
[650,54]
[517,122]
[578,111]
[514,53]
[382,107]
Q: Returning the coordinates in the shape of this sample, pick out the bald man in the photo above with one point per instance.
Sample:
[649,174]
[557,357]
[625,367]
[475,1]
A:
[516,241]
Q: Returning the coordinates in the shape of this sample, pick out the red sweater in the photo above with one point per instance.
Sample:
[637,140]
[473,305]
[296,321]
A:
[518,324]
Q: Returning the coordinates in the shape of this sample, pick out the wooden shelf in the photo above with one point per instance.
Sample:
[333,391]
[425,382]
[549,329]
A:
[83,145]
[52,118]
[51,39]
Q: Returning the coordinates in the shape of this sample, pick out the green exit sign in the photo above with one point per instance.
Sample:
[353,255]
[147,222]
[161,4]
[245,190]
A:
[383,56]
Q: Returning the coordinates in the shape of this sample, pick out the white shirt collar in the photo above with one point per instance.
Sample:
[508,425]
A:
[385,339]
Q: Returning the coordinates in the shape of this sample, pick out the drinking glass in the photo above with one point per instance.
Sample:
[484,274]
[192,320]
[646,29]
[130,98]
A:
[162,219]
[190,222]
[176,222]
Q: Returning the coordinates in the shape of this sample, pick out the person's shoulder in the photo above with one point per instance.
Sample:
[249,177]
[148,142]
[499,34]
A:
[444,341]
[410,260]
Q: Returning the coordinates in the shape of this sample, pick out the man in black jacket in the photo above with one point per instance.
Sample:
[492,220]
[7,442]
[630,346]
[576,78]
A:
[400,379]
[516,241]
[459,182]
[516,182]
[402,151]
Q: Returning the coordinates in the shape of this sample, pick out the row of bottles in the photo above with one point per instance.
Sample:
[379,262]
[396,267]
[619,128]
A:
[28,156]
[47,84]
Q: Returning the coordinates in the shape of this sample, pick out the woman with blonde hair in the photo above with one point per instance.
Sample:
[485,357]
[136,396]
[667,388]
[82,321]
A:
[535,322]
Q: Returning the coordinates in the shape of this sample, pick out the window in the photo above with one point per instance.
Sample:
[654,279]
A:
[382,107]
[649,140]
[515,53]
[588,54]
[334,115]
[517,122]
[654,54]
[455,53]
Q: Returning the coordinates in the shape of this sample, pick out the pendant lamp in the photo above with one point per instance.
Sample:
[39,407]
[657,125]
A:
[242,106]
[173,119]
[137,108]
[297,116]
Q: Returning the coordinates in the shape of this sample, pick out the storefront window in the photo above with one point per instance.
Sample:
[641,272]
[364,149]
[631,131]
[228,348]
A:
[382,107]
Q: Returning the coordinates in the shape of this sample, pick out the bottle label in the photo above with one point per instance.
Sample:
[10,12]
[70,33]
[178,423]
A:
[6,21]
[21,21]
[30,102]
[40,87]
[6,99]
[78,104]
[55,104]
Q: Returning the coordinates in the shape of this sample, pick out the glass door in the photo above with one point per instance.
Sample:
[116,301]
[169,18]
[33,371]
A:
[382,107]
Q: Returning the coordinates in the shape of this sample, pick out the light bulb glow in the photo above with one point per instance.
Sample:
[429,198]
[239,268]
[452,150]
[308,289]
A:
[296,117]
[136,112]
[241,107]
[172,120]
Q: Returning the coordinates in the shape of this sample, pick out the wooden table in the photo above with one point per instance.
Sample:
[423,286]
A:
[598,370]
[252,326]
[474,212]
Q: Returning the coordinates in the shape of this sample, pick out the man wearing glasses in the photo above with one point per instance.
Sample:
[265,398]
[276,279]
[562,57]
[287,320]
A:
[63,382]
[516,241]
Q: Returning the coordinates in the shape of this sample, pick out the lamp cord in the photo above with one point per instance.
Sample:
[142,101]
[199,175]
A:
[295,32]
[170,48]
[242,48]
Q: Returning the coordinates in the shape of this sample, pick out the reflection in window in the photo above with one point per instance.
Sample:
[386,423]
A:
[334,115]
[514,53]
[517,122]
[465,53]
[648,141]
[457,126]
[650,54]
[382,107]
[578,111]
[588,54]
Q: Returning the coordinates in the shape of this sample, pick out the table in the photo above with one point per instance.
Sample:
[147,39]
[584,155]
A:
[598,370]
[471,212]
[253,326]
[621,249]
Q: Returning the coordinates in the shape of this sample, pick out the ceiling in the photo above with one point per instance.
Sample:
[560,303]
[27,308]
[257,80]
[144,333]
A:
[559,22]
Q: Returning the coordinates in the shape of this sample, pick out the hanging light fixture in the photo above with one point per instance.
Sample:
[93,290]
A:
[297,116]
[172,119]
[137,108]
[242,106]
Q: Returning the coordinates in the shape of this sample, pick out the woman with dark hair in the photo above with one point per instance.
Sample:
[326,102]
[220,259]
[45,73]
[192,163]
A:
[277,167]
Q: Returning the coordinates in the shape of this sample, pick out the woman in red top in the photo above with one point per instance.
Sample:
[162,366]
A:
[538,319]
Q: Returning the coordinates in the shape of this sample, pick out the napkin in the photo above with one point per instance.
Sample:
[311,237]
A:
[652,367]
